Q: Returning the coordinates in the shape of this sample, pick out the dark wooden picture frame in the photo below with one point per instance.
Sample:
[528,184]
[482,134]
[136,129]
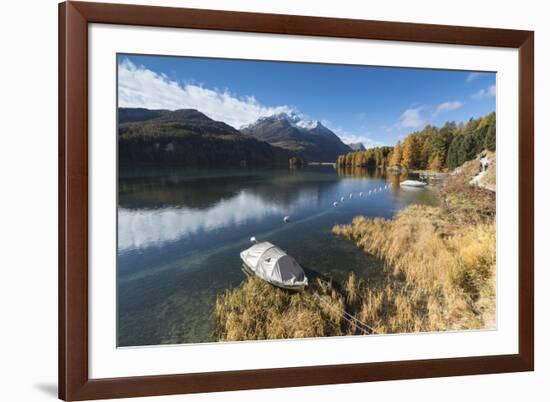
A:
[74,381]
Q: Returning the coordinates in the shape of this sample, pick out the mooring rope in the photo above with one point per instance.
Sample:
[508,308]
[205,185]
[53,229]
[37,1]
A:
[351,319]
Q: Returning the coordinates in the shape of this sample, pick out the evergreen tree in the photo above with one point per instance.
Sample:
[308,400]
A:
[491,138]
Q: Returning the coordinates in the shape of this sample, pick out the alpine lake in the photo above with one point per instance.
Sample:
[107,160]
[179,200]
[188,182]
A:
[180,232]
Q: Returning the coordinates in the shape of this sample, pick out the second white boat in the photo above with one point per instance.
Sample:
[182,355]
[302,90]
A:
[413,183]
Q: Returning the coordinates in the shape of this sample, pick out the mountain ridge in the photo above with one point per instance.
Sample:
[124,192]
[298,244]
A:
[311,141]
[182,136]
[187,137]
[356,146]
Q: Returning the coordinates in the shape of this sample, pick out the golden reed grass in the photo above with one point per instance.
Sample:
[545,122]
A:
[258,310]
[440,276]
[440,269]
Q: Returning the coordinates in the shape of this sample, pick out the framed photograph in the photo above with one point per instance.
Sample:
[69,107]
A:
[260,200]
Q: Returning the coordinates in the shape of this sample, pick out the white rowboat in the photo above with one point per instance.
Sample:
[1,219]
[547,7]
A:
[273,265]
[412,183]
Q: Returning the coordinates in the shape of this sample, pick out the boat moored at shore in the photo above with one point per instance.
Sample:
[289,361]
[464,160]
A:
[412,183]
[273,265]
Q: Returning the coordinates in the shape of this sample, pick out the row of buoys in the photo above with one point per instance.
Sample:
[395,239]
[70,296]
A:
[376,190]
[286,218]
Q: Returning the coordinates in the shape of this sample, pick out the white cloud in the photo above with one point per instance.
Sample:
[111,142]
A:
[366,141]
[486,92]
[411,118]
[349,138]
[370,143]
[141,87]
[447,107]
[473,76]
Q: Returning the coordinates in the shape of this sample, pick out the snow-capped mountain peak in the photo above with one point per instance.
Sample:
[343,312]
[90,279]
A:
[293,119]
[307,124]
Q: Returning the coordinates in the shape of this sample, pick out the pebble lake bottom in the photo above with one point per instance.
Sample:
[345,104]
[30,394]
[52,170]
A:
[180,232]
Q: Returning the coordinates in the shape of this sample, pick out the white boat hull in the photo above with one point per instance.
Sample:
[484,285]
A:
[273,265]
[413,183]
[295,287]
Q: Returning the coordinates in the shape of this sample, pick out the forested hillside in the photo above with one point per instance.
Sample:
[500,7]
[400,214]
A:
[187,137]
[477,136]
[431,148]
[371,157]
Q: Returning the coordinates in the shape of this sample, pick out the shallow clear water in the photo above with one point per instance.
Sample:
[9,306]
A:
[180,232]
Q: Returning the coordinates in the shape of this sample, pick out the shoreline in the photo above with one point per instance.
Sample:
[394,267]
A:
[439,274]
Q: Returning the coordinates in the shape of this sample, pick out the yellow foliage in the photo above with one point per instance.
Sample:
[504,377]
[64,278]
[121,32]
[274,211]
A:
[410,151]
[436,163]
[395,156]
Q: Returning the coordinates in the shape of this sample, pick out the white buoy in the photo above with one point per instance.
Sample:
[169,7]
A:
[335,203]
[253,240]
[360,194]
[286,219]
[370,192]
[350,195]
[341,199]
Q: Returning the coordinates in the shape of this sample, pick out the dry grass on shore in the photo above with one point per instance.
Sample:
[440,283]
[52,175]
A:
[257,310]
[440,274]
[440,277]
[467,204]
[440,261]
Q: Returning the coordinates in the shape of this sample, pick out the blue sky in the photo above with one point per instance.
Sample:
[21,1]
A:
[373,105]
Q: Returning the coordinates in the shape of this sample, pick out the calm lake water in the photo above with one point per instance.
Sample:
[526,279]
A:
[180,232]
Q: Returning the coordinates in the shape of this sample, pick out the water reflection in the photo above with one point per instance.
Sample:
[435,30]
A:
[193,188]
[180,233]
[361,172]
[140,228]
